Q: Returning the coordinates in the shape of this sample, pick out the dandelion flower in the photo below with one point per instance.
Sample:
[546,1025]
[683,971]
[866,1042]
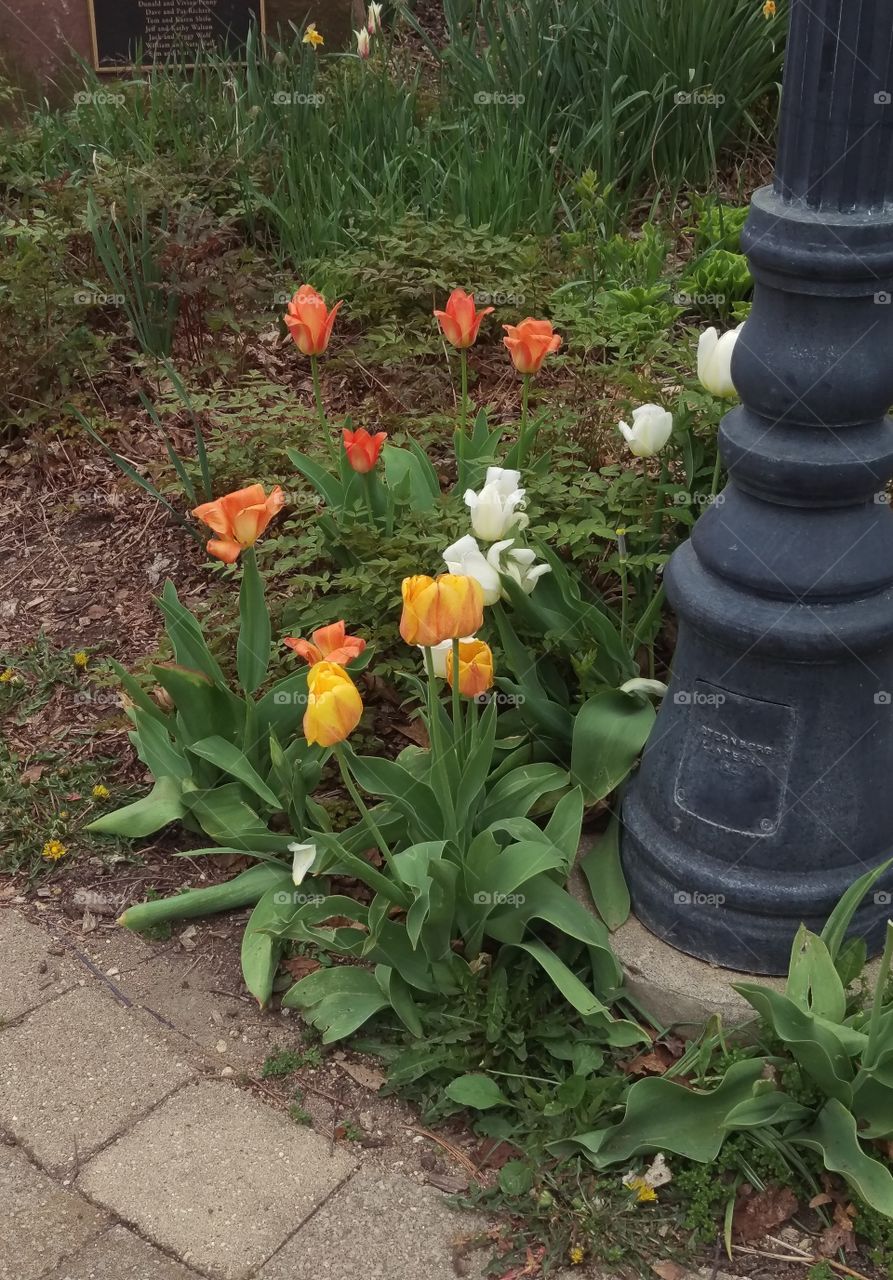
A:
[576,1255]
[81,658]
[645,1193]
[7,676]
[100,792]
[769,9]
[53,850]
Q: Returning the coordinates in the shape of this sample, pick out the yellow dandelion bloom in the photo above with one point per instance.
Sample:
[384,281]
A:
[100,792]
[576,1255]
[81,658]
[7,676]
[645,1193]
[53,850]
[312,36]
[769,9]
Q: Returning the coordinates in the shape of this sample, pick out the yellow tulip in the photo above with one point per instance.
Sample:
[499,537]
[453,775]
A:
[442,608]
[475,668]
[334,705]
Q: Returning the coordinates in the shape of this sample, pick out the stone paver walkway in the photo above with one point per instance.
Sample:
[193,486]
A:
[125,1156]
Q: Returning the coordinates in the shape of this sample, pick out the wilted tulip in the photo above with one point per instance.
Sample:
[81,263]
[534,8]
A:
[239,519]
[651,429]
[328,644]
[441,608]
[530,342]
[465,557]
[362,449]
[715,361]
[334,705]
[475,668]
[309,321]
[460,321]
[494,511]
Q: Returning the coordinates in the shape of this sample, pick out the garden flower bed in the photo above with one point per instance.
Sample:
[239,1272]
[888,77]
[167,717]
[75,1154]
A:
[404,524]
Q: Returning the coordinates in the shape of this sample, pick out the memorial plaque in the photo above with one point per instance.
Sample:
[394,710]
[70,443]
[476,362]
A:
[163,29]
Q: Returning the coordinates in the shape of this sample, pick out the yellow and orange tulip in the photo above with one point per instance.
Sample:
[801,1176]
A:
[441,608]
[309,321]
[239,519]
[334,705]
[530,342]
[460,321]
[475,668]
[328,644]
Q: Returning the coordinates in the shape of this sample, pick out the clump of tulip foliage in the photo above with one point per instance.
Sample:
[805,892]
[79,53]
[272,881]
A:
[464,844]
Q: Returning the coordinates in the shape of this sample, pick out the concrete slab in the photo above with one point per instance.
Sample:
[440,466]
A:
[78,1071]
[382,1227]
[41,1223]
[217,1177]
[120,1255]
[35,967]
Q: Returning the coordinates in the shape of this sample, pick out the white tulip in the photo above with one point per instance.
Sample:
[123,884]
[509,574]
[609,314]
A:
[363,43]
[303,858]
[495,510]
[715,361]
[465,557]
[518,564]
[373,18]
[651,429]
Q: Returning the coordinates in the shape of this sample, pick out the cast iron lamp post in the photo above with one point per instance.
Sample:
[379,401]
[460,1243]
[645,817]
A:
[766,788]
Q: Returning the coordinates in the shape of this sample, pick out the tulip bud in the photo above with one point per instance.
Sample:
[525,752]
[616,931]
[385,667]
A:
[651,429]
[715,362]
[363,43]
[475,668]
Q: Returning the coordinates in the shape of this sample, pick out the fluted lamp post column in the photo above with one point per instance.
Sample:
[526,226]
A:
[766,788]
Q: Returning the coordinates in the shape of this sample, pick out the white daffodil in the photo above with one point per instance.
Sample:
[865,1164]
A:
[651,429]
[715,362]
[303,858]
[518,564]
[498,508]
[465,557]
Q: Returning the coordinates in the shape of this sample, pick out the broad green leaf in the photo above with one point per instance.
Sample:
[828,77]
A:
[604,875]
[813,981]
[663,1116]
[253,646]
[515,794]
[400,999]
[610,730]
[772,1107]
[574,991]
[242,891]
[516,1177]
[841,917]
[478,1092]
[822,1048]
[261,949]
[231,760]
[325,484]
[387,778]
[202,707]
[186,636]
[564,827]
[153,745]
[224,816]
[162,805]
[833,1136]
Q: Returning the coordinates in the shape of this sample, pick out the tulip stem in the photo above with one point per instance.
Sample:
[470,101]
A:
[363,811]
[522,437]
[715,483]
[463,363]
[321,412]
[437,745]
[458,730]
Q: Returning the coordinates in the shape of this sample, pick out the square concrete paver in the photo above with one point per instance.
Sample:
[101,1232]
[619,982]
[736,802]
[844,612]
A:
[217,1177]
[382,1227]
[40,1222]
[31,972]
[120,1255]
[79,1070]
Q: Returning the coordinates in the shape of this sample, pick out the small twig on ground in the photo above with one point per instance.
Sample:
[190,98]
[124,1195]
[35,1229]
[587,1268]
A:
[458,1155]
[804,1258]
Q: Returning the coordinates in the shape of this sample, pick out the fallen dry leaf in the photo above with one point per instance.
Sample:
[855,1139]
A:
[368,1077]
[840,1234]
[668,1270]
[33,773]
[300,966]
[653,1063]
[757,1212]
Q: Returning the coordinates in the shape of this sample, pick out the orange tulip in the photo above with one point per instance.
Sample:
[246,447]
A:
[441,608]
[239,519]
[329,644]
[309,321]
[334,705]
[362,449]
[530,342]
[475,668]
[460,321]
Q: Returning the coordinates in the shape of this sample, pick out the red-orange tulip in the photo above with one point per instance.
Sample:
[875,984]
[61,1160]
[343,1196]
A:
[460,321]
[309,321]
[329,644]
[362,449]
[530,342]
[239,519]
